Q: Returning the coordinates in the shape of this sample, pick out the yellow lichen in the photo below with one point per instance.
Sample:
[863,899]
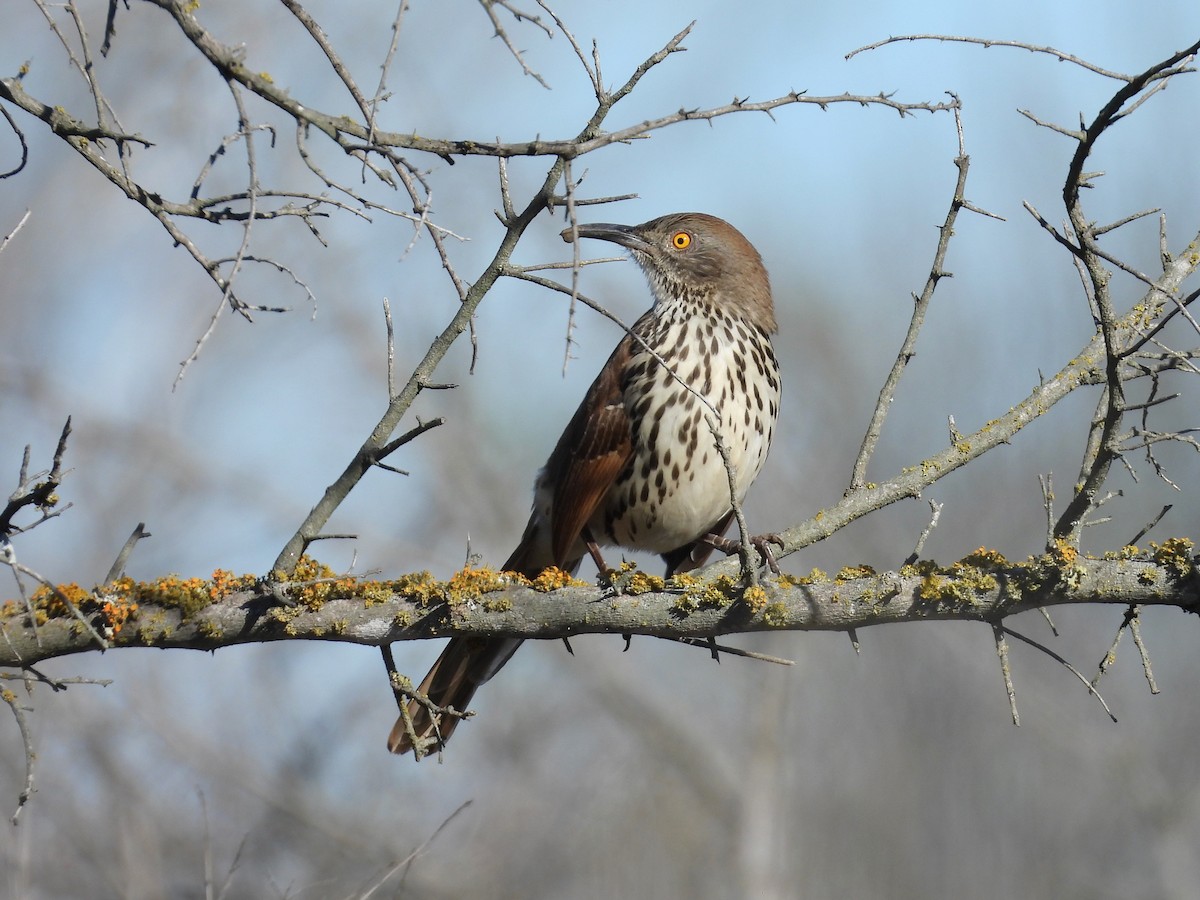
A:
[374,593]
[552,579]
[210,629]
[643,583]
[1129,551]
[1175,555]
[716,593]
[471,584]
[755,598]
[984,557]
[1066,556]
[852,573]
[49,602]
[311,584]
[683,580]
[1064,552]
[418,587]
[775,614]
[964,582]
[815,576]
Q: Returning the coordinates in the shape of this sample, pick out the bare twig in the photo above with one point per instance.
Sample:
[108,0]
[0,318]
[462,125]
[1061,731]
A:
[1135,631]
[1070,668]
[489,7]
[15,170]
[858,475]
[37,490]
[935,510]
[406,863]
[118,567]
[710,645]
[988,42]
[381,88]
[998,632]
[1132,621]
[18,711]
[1047,483]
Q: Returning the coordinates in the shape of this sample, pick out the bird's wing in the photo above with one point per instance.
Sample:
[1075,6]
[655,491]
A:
[589,456]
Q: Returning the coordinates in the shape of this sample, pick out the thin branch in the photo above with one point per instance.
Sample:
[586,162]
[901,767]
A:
[381,88]
[37,490]
[711,646]
[118,567]
[15,170]
[988,42]
[935,510]
[18,711]
[16,228]
[489,7]
[858,475]
[1002,652]
[1135,631]
[408,861]
[1070,668]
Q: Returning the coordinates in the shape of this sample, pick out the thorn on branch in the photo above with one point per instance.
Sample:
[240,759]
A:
[413,433]
[118,567]
[1006,671]
[713,647]
[1074,671]
[935,509]
[1149,525]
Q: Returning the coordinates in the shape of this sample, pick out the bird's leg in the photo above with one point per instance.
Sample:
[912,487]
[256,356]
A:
[760,542]
[606,573]
[593,550]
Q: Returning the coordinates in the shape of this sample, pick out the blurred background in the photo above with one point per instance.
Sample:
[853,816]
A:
[894,772]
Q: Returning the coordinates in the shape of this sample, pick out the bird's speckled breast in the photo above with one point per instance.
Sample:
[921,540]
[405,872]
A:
[675,487]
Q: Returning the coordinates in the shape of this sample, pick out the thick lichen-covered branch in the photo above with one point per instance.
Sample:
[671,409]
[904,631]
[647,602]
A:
[206,614]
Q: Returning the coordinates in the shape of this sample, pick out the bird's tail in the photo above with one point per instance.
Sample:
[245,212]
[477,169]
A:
[464,665]
[467,662]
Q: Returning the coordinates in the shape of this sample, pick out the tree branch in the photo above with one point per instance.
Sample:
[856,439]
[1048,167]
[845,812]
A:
[980,588]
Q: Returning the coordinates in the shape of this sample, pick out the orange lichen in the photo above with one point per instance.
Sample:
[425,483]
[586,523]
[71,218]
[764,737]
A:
[553,578]
[115,613]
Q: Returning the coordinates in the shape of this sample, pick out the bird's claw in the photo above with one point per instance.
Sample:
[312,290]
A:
[760,542]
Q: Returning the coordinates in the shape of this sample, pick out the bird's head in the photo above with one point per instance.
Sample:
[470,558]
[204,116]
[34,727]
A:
[697,257]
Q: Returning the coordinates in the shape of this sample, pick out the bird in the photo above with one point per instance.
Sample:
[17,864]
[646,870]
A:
[638,466]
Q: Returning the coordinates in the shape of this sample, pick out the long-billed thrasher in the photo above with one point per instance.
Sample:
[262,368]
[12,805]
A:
[638,465]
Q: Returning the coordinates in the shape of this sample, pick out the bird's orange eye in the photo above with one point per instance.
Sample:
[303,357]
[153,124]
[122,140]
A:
[681,241]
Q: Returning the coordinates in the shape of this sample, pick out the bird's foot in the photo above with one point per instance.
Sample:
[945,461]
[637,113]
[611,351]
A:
[760,542]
